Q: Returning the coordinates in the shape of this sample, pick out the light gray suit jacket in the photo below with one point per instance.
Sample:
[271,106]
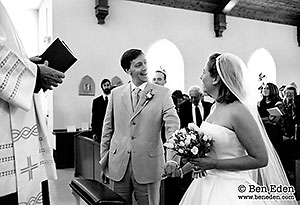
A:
[137,133]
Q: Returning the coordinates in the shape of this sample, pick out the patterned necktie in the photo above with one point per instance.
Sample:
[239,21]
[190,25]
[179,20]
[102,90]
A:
[198,116]
[135,96]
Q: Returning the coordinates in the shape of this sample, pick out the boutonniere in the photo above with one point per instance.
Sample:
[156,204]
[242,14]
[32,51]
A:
[149,95]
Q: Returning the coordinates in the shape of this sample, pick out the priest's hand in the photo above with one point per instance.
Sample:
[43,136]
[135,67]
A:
[49,77]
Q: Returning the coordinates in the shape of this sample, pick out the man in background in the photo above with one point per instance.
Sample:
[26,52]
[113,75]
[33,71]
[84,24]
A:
[131,134]
[160,77]
[196,109]
[25,156]
[99,108]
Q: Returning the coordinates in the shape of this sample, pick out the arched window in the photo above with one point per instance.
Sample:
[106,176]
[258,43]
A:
[262,65]
[164,54]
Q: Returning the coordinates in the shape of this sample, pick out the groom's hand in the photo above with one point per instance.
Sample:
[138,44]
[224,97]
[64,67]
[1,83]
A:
[104,178]
[170,168]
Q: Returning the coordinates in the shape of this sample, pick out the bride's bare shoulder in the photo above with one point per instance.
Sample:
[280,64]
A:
[238,110]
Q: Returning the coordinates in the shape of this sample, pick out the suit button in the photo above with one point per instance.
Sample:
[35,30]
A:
[132,137]
[133,123]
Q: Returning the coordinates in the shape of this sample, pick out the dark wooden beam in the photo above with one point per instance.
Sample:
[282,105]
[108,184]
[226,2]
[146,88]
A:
[225,6]
[101,10]
[298,36]
[220,12]
[219,24]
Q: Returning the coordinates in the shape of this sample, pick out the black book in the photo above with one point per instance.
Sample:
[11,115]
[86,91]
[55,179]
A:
[59,56]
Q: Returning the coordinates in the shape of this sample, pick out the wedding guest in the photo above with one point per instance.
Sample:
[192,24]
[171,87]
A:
[281,90]
[289,112]
[99,108]
[196,109]
[160,77]
[185,97]
[271,99]
[241,153]
[131,133]
[289,148]
[177,98]
[24,133]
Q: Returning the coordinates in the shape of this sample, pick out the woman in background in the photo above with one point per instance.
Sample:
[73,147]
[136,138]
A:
[271,99]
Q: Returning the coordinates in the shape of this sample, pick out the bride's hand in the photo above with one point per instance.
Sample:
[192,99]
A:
[205,163]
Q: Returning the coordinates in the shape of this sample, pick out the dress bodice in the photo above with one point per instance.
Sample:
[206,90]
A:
[226,145]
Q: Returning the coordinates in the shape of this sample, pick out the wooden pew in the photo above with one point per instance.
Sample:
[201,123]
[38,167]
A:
[94,192]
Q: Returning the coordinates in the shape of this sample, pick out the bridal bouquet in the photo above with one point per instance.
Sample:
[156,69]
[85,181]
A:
[189,143]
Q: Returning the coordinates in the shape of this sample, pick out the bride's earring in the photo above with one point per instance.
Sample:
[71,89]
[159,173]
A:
[216,80]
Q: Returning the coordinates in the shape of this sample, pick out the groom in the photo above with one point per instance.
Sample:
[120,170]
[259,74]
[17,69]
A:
[131,133]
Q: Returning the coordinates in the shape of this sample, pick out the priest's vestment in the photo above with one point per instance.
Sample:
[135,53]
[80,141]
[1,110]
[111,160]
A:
[25,156]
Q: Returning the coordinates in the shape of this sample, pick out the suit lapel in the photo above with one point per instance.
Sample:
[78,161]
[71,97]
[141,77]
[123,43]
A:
[126,96]
[142,101]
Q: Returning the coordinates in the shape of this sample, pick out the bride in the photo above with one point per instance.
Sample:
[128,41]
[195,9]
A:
[242,166]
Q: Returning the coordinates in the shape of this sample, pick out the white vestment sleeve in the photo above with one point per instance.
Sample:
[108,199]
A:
[17,79]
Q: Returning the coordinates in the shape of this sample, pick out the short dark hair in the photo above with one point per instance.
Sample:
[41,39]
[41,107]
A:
[128,56]
[225,95]
[162,72]
[104,81]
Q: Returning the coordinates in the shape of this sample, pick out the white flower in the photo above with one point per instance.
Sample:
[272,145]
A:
[193,137]
[181,143]
[193,126]
[180,151]
[187,141]
[149,95]
[205,138]
[194,150]
[183,131]
[172,140]
[169,145]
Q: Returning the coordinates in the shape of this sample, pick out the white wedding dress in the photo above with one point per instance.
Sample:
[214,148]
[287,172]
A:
[220,187]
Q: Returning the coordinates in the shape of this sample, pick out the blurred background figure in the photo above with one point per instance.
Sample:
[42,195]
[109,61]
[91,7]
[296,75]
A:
[281,89]
[186,97]
[160,77]
[271,99]
[289,149]
[177,97]
[189,109]
[289,112]
[99,108]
